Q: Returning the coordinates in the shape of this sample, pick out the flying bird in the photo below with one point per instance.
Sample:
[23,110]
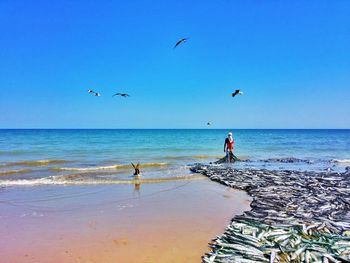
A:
[237,91]
[90,91]
[122,95]
[182,40]
[209,123]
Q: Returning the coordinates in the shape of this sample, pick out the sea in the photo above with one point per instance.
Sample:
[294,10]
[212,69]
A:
[91,156]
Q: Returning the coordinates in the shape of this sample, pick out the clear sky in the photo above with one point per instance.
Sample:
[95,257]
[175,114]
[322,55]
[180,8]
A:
[291,59]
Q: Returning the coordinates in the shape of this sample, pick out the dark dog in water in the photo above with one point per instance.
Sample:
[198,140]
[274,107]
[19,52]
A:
[137,169]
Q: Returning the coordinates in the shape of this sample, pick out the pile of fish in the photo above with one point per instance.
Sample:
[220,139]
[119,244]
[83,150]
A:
[296,216]
[231,158]
[287,160]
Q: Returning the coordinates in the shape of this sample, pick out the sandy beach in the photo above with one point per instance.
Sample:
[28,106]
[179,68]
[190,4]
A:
[165,222]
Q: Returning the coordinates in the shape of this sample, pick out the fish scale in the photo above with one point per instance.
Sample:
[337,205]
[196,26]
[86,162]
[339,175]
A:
[302,216]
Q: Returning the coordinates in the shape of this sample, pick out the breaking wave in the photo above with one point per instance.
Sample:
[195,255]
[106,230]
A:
[53,180]
[109,167]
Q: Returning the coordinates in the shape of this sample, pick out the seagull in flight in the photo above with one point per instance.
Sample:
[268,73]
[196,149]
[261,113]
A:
[182,40]
[122,95]
[209,123]
[237,91]
[90,91]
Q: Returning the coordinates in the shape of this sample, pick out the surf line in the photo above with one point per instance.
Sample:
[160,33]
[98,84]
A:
[40,209]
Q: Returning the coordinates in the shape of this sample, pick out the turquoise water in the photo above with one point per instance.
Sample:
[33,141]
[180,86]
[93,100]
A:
[106,154]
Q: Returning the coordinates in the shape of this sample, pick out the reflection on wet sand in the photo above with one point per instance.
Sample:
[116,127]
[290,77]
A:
[164,222]
[137,187]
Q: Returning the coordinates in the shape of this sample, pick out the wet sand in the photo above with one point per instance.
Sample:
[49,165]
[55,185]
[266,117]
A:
[164,222]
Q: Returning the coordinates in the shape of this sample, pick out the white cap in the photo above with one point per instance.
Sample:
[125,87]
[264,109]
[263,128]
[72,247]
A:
[230,134]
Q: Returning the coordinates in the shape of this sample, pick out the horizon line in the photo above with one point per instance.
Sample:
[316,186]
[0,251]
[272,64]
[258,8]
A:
[174,128]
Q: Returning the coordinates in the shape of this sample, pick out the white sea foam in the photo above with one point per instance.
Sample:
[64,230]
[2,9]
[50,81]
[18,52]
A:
[30,182]
[56,180]
[109,167]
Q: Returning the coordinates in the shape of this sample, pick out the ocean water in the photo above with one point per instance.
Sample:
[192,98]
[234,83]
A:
[34,157]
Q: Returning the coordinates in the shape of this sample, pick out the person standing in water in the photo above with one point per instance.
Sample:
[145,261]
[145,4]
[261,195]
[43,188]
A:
[228,147]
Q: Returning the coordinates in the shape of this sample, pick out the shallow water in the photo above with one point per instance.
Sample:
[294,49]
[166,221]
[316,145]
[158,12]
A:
[165,222]
[101,154]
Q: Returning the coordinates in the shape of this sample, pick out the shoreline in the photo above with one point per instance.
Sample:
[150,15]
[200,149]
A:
[295,216]
[170,221]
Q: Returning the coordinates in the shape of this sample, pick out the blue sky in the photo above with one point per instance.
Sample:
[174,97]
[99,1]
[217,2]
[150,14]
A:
[291,59]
